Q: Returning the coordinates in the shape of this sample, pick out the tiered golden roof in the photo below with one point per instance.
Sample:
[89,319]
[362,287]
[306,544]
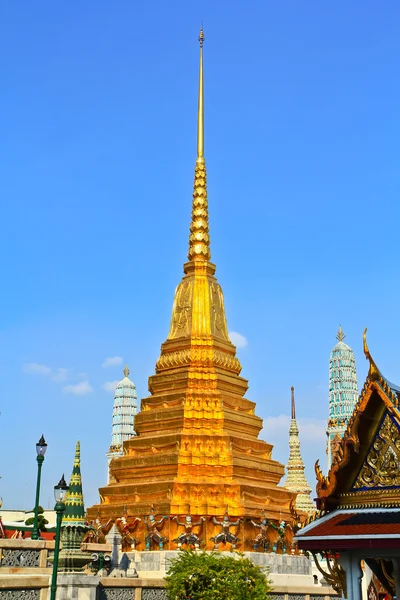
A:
[197,449]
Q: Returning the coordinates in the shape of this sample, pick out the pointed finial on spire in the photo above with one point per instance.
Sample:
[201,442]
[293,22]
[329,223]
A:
[199,241]
[200,113]
[126,371]
[373,372]
[293,406]
[340,334]
[77,459]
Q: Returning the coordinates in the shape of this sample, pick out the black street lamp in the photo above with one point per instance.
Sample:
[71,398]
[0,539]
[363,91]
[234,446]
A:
[60,494]
[41,448]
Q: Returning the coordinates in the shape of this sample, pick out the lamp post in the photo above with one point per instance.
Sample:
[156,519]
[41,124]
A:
[41,448]
[60,493]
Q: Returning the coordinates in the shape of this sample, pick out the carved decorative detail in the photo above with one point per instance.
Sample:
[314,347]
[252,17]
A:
[218,325]
[16,594]
[199,240]
[117,594]
[188,537]
[182,310]
[205,357]
[20,558]
[225,536]
[335,575]
[381,467]
[154,594]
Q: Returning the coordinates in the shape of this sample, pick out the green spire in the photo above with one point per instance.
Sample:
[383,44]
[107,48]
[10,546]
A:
[74,508]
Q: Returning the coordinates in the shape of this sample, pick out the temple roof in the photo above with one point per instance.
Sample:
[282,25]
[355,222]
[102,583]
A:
[355,528]
[366,466]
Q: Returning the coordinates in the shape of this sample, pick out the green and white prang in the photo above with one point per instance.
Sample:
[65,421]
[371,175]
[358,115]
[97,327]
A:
[343,392]
[124,411]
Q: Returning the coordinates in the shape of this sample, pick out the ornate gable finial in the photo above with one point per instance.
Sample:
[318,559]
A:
[126,371]
[340,334]
[373,372]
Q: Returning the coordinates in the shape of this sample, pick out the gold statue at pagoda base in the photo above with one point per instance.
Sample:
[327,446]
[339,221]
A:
[197,451]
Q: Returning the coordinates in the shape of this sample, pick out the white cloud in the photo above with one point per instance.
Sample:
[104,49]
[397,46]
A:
[36,368]
[112,361]
[238,339]
[60,375]
[109,386]
[79,389]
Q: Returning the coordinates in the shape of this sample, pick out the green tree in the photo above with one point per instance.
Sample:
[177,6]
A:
[42,521]
[215,576]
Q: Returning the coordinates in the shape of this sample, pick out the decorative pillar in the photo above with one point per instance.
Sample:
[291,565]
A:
[351,563]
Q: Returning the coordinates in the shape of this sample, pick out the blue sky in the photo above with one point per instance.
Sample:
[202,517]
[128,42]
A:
[98,122]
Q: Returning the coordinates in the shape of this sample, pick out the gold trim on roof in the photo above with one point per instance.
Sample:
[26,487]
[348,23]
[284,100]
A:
[374,372]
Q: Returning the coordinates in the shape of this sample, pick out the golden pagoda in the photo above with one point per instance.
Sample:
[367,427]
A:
[197,450]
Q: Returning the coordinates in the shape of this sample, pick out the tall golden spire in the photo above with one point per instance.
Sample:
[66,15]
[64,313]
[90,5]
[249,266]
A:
[200,112]
[199,241]
[197,449]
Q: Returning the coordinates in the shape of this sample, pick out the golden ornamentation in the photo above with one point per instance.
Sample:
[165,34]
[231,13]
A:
[374,372]
[340,334]
[382,465]
[335,575]
[182,310]
[198,356]
[197,448]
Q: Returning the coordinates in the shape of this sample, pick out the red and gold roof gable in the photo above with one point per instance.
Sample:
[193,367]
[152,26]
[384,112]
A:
[365,471]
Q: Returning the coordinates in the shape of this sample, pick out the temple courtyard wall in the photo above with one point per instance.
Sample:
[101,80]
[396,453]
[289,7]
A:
[25,574]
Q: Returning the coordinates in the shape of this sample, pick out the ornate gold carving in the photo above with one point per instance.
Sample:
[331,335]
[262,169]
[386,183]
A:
[182,310]
[218,323]
[381,467]
[199,241]
[205,357]
[336,575]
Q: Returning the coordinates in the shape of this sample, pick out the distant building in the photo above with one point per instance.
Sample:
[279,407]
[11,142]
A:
[343,393]
[125,405]
[296,479]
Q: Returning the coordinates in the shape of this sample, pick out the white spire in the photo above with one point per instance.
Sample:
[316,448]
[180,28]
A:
[343,392]
[124,411]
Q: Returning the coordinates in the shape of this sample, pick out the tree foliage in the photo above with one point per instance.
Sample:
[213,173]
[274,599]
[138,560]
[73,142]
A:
[215,576]
[42,521]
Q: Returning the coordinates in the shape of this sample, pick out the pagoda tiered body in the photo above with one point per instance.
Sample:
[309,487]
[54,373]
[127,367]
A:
[343,393]
[296,479]
[124,411]
[197,450]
